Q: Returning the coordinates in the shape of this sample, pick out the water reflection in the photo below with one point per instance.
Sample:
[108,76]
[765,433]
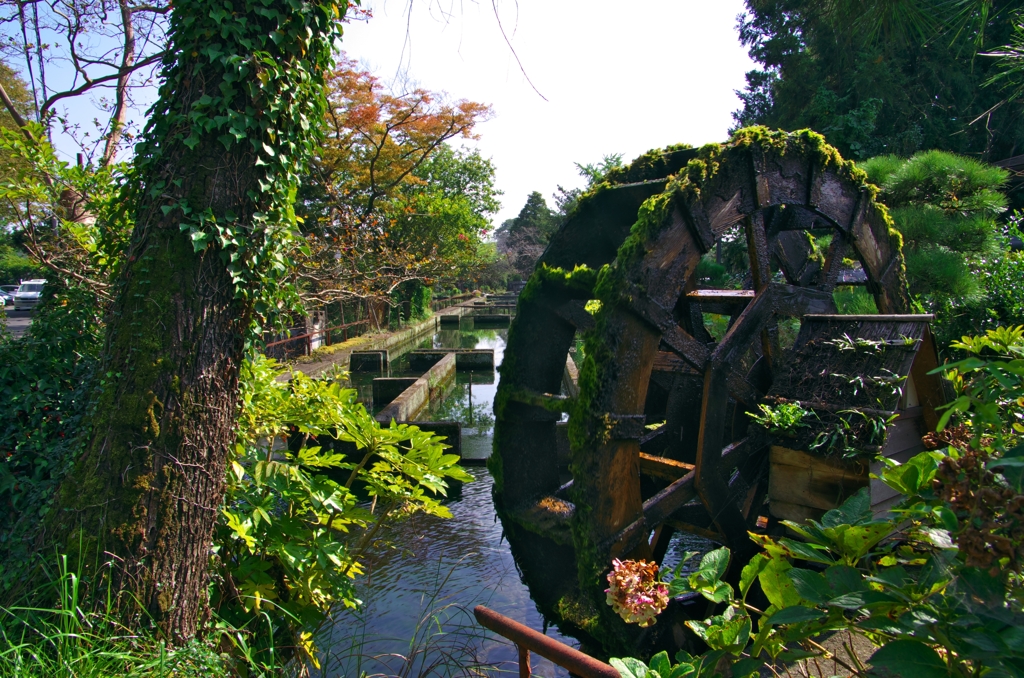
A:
[443,566]
[421,587]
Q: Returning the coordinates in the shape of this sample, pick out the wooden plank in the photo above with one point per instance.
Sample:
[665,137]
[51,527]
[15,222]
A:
[710,481]
[659,507]
[903,434]
[571,378]
[812,481]
[660,467]
[830,465]
[798,513]
[694,352]
[721,296]
[881,317]
[666,361]
[929,386]
[834,262]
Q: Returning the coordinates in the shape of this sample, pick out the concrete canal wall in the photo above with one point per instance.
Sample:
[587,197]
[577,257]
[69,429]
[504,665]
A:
[431,386]
[396,343]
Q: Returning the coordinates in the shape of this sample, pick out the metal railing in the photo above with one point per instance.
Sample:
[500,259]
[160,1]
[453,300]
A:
[527,640]
[442,302]
[307,339]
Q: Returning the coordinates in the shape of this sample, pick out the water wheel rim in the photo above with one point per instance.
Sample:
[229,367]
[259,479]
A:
[664,225]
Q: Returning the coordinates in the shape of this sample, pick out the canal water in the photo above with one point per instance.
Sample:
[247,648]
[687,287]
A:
[419,591]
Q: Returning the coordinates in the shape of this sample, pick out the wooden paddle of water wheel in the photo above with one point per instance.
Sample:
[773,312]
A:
[622,274]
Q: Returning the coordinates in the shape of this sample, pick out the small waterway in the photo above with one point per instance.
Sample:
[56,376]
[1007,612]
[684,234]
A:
[418,593]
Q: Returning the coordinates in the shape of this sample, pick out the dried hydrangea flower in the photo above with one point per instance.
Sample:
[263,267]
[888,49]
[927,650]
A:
[635,593]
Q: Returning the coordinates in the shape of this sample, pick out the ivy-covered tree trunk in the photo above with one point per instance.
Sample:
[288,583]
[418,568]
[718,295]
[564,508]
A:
[236,121]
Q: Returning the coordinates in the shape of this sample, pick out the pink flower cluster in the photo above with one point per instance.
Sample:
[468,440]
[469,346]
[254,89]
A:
[635,593]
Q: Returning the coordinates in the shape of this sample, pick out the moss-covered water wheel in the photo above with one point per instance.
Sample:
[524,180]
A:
[634,244]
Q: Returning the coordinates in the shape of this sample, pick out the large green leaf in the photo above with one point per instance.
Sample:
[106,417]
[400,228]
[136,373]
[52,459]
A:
[714,564]
[854,510]
[777,584]
[907,659]
[812,586]
[628,667]
[794,615]
[751,571]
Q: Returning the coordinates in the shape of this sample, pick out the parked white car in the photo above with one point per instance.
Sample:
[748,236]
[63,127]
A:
[7,293]
[28,294]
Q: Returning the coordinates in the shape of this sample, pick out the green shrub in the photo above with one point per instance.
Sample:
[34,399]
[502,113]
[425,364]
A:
[295,526]
[45,385]
[935,584]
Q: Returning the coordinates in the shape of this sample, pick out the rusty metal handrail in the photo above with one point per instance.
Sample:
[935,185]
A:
[438,304]
[308,336]
[527,640]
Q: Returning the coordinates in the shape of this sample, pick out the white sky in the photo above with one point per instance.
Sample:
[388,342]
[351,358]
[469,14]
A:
[619,77]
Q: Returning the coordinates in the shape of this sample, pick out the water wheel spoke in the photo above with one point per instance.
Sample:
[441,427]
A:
[746,328]
[660,467]
[548,402]
[685,346]
[742,390]
[574,313]
[672,363]
[794,301]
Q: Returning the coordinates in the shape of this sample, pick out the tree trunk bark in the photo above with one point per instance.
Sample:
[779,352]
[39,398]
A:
[149,486]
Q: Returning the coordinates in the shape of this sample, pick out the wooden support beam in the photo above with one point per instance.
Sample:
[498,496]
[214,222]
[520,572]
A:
[794,301]
[660,467]
[659,508]
[666,361]
[710,474]
[747,327]
[548,402]
[574,313]
[741,297]
[757,249]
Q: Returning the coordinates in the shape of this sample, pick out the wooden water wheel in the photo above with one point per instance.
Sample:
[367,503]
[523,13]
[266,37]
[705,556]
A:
[658,427]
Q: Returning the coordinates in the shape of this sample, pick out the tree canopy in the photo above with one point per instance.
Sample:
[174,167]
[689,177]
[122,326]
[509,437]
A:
[388,201]
[879,77]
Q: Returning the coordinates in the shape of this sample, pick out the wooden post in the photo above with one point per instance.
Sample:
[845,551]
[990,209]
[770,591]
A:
[524,662]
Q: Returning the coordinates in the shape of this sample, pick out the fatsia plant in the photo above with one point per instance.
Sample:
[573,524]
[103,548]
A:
[312,482]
